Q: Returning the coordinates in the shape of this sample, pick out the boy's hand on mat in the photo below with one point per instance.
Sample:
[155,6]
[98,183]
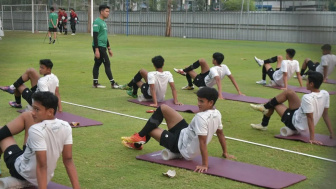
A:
[201,168]
[221,97]
[283,88]
[332,136]
[240,93]
[178,103]
[228,156]
[315,142]
[153,105]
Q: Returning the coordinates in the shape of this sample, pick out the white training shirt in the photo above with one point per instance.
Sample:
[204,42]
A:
[221,71]
[49,136]
[160,81]
[310,103]
[204,123]
[289,66]
[48,83]
[327,60]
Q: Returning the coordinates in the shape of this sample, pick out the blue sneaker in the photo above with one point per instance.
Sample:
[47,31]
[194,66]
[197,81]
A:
[14,104]
[7,89]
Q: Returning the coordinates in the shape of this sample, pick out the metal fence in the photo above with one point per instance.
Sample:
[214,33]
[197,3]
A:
[298,27]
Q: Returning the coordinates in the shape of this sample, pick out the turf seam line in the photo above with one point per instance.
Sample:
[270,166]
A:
[239,140]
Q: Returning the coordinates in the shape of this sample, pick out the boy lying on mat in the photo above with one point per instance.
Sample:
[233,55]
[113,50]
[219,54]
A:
[188,139]
[155,86]
[299,116]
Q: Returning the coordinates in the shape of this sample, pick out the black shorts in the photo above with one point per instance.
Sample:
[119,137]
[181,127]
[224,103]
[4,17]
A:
[169,139]
[312,66]
[10,155]
[287,118]
[53,29]
[144,91]
[199,79]
[270,73]
[27,94]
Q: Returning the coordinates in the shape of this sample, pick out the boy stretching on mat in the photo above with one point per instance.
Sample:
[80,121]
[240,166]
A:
[190,140]
[300,115]
[326,67]
[283,72]
[155,86]
[46,138]
[208,76]
[49,82]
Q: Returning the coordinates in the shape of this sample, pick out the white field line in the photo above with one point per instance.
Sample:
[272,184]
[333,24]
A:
[240,140]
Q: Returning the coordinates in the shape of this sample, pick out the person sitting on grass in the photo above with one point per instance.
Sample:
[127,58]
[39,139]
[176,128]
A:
[49,82]
[155,85]
[208,76]
[284,69]
[190,140]
[46,139]
[299,116]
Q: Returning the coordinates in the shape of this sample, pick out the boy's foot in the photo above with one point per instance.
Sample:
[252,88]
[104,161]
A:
[50,42]
[258,127]
[130,93]
[54,41]
[14,104]
[180,71]
[115,85]
[304,77]
[261,82]
[73,34]
[99,86]
[131,145]
[260,62]
[124,87]
[135,139]
[271,84]
[188,88]
[260,108]
[7,89]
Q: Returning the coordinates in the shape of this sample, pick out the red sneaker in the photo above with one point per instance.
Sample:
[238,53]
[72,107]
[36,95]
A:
[135,139]
[131,145]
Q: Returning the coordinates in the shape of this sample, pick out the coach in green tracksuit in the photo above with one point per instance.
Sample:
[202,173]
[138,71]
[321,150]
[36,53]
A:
[99,45]
[53,20]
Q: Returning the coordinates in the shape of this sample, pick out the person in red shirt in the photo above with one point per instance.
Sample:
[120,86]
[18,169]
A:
[73,20]
[64,21]
[59,24]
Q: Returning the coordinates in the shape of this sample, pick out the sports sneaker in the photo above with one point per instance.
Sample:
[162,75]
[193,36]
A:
[53,41]
[130,93]
[14,104]
[141,98]
[73,34]
[188,87]
[124,87]
[258,127]
[260,62]
[261,82]
[115,85]
[131,145]
[99,86]
[180,71]
[7,89]
[260,108]
[271,84]
[135,139]
[304,77]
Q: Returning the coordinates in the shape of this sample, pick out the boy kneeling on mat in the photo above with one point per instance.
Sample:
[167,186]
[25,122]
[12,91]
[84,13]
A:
[190,140]
[302,115]
[46,138]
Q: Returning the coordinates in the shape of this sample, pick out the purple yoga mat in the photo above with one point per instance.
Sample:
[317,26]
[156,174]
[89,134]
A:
[242,172]
[300,89]
[52,185]
[304,137]
[170,103]
[83,122]
[331,81]
[250,99]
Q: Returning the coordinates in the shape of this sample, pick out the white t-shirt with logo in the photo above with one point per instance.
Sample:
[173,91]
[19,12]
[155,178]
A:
[289,66]
[221,71]
[327,60]
[310,103]
[48,83]
[160,81]
[204,123]
[49,136]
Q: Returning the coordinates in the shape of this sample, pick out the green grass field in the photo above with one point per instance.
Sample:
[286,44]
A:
[103,162]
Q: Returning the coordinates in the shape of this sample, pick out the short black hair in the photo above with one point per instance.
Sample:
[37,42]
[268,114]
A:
[290,52]
[219,57]
[63,9]
[158,61]
[326,47]
[316,78]
[47,99]
[47,63]
[103,7]
[208,93]
[72,9]
[52,8]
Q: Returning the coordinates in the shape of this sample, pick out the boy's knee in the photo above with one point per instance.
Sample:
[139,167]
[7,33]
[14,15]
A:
[290,92]
[31,70]
[306,60]
[202,61]
[280,57]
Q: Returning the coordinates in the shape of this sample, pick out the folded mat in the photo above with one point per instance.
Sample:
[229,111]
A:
[299,89]
[75,120]
[242,98]
[304,137]
[242,172]
[170,103]
[331,81]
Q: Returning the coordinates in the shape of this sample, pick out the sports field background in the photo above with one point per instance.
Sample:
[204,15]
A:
[103,162]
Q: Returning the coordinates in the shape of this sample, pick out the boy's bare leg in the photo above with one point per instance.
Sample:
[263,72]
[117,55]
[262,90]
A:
[20,123]
[204,65]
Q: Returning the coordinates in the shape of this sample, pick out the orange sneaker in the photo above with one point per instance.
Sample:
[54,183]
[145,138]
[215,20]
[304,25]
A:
[135,139]
[131,145]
